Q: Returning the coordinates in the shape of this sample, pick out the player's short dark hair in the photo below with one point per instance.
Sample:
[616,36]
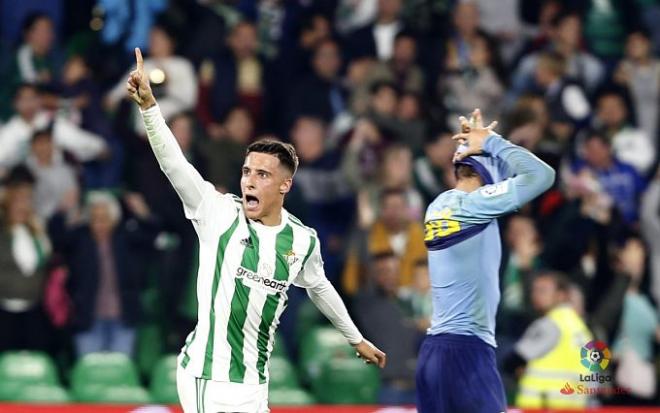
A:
[285,152]
[462,171]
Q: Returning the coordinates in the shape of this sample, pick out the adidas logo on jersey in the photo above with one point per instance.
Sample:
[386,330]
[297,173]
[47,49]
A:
[247,242]
[255,280]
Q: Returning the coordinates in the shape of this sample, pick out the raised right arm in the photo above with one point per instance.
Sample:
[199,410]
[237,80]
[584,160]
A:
[185,179]
[187,182]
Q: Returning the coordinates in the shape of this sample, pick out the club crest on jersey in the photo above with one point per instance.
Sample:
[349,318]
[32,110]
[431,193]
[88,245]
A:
[290,257]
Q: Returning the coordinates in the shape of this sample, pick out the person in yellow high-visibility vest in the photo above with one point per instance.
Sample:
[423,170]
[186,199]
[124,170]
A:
[550,349]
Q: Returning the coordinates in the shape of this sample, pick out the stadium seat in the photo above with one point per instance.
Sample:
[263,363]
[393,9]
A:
[289,397]
[105,369]
[20,368]
[163,381]
[118,394]
[40,393]
[279,347]
[282,374]
[308,318]
[347,381]
[106,378]
[148,348]
[317,346]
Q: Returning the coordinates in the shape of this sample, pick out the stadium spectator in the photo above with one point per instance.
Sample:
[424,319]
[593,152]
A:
[24,253]
[637,334]
[465,23]
[31,116]
[410,115]
[395,172]
[238,76]
[106,257]
[524,246]
[567,103]
[417,299]
[630,144]
[401,70]
[550,348]
[619,180]
[325,193]
[650,226]
[471,84]
[56,186]
[639,72]
[379,313]
[172,77]
[320,94]
[37,60]
[79,99]
[434,172]
[392,231]
[377,39]
[224,149]
[566,40]
[501,20]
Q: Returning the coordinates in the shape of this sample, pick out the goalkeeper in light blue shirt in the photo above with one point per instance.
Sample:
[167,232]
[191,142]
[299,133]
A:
[456,369]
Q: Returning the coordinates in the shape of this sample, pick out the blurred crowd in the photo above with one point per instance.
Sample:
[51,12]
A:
[94,242]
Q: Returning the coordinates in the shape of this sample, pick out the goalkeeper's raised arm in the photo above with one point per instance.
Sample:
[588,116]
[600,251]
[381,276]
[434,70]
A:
[185,179]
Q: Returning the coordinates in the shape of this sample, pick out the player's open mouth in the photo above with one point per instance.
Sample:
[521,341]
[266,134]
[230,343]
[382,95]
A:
[251,202]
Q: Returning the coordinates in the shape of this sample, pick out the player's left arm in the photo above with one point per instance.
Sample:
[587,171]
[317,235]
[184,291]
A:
[326,298]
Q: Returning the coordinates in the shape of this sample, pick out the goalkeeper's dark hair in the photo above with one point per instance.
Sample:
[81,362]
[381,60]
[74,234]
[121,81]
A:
[285,152]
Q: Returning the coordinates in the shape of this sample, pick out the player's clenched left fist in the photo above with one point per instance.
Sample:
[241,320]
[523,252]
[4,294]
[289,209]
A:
[138,84]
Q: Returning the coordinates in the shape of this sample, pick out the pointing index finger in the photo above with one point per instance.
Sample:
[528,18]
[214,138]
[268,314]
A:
[139,61]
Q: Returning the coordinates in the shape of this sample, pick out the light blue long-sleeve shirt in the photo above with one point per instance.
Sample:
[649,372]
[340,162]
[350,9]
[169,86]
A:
[463,239]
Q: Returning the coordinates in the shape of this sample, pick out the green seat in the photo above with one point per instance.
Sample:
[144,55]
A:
[148,348]
[289,397]
[163,381]
[41,393]
[318,345]
[19,368]
[279,348]
[308,318]
[282,374]
[97,376]
[118,394]
[104,369]
[347,381]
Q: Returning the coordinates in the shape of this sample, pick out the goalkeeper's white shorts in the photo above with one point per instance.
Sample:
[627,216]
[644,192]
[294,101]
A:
[207,396]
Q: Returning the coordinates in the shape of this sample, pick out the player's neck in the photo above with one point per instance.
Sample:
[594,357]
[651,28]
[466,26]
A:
[468,184]
[272,219]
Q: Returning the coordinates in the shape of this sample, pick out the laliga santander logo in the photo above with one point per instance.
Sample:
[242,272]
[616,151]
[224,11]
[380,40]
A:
[595,356]
[567,389]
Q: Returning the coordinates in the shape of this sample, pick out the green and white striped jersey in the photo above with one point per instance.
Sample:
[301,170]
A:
[245,270]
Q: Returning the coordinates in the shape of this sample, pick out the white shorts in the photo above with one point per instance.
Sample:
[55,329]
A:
[207,396]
